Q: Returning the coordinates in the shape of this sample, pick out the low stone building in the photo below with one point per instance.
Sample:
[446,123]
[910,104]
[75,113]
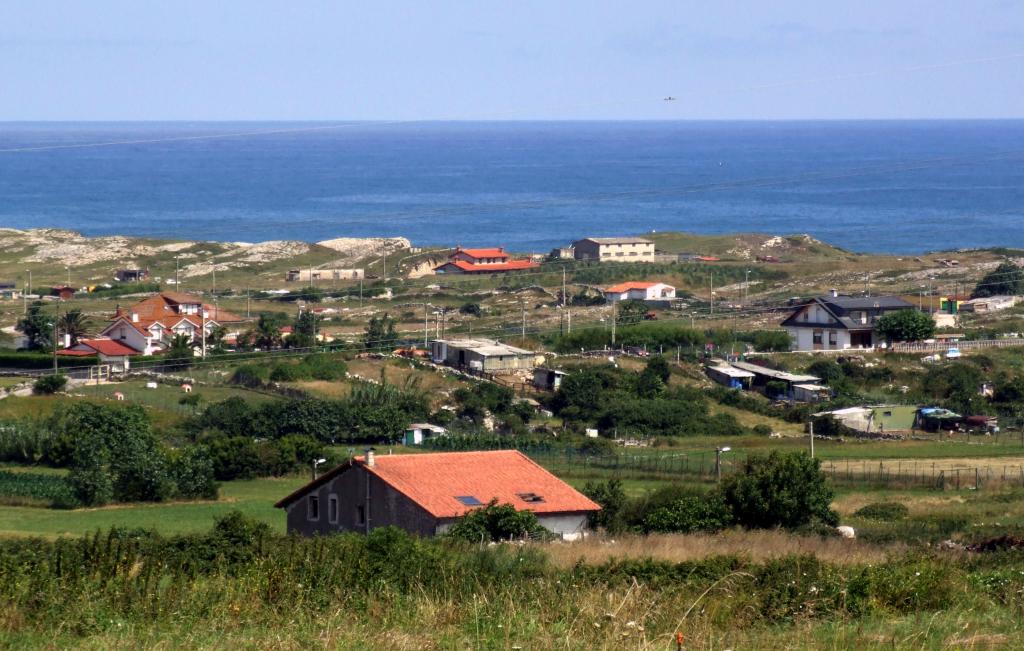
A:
[614,249]
[426,493]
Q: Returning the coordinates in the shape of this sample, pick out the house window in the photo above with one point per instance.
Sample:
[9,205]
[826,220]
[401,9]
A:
[313,508]
[332,509]
[360,514]
[817,337]
[832,338]
[807,316]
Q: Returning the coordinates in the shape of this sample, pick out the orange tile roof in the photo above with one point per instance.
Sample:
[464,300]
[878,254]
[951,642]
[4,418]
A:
[435,480]
[163,309]
[625,287]
[102,345]
[511,265]
[494,252]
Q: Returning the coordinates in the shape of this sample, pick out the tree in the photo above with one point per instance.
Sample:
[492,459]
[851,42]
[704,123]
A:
[74,324]
[496,522]
[304,330]
[1007,278]
[179,350]
[631,311]
[611,497]
[267,333]
[779,490]
[828,370]
[37,327]
[472,309]
[905,325]
[380,332]
[658,365]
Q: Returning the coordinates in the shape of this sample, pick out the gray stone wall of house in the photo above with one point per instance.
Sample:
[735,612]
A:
[586,250]
[387,507]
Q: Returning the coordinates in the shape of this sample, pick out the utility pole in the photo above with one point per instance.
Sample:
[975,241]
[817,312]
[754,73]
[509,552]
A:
[811,425]
[360,292]
[29,281]
[248,297]
[711,281]
[202,311]
[175,273]
[425,313]
[384,259]
[564,301]
[56,317]
[613,322]
[522,304]
[746,287]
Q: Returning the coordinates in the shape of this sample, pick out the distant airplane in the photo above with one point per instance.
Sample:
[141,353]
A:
[670,99]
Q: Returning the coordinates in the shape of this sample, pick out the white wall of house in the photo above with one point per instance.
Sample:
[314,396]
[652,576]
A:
[568,526]
[131,337]
[660,291]
[830,338]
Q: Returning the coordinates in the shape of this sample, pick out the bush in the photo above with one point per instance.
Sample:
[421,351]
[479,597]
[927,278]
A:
[286,373]
[883,511]
[689,514]
[250,375]
[496,522]
[779,490]
[49,384]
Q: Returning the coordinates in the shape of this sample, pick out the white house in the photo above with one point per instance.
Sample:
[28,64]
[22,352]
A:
[639,291]
[416,433]
[148,325]
[837,322]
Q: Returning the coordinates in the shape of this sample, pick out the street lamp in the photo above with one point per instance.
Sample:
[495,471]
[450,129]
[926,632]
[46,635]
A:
[718,462]
[316,464]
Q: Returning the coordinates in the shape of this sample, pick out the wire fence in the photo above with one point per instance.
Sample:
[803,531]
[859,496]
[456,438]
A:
[703,466]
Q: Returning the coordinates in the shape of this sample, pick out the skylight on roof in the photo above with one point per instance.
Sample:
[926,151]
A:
[532,498]
[469,500]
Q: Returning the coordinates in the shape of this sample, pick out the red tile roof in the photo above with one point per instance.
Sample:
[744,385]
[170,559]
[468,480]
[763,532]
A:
[497,267]
[494,252]
[163,309]
[625,287]
[435,481]
[92,346]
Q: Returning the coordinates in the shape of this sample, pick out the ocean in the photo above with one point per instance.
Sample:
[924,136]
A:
[872,186]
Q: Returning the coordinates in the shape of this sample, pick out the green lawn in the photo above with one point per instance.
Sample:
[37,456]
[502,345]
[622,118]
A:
[254,498]
[165,397]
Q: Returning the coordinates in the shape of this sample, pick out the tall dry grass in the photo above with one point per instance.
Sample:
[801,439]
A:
[754,545]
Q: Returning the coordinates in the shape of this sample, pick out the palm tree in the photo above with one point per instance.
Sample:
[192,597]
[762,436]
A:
[180,350]
[74,324]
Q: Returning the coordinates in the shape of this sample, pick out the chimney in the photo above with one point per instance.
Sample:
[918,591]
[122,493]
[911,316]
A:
[370,461]
[135,317]
[833,292]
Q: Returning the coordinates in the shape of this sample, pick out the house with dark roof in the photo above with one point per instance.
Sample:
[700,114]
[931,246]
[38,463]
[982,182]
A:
[837,322]
[482,261]
[148,325]
[426,493]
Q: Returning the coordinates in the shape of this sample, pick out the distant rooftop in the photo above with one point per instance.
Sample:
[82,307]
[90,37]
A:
[618,240]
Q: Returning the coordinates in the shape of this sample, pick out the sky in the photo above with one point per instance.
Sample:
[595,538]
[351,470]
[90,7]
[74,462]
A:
[529,59]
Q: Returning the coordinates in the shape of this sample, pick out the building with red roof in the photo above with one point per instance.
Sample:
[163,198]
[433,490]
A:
[482,261]
[150,324]
[107,350]
[426,493]
[639,291]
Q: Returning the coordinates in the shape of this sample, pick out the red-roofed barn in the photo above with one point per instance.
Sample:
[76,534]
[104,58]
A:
[426,493]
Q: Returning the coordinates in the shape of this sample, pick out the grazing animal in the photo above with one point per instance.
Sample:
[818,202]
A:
[151,385]
[846,532]
[118,395]
[187,388]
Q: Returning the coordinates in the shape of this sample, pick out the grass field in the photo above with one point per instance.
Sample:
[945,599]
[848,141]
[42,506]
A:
[254,498]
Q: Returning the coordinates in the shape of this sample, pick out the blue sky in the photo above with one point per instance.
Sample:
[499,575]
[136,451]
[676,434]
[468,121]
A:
[574,59]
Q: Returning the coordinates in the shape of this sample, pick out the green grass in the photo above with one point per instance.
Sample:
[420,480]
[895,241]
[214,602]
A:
[254,498]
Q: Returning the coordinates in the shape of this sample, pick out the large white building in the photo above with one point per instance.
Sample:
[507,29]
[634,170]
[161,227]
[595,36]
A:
[614,249]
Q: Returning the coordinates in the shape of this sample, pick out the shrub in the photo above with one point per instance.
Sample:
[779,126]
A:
[192,473]
[323,367]
[496,522]
[779,490]
[883,511]
[250,375]
[905,325]
[49,384]
[286,373]
[690,514]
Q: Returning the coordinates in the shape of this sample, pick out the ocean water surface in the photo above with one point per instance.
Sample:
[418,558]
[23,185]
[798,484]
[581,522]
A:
[897,187]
